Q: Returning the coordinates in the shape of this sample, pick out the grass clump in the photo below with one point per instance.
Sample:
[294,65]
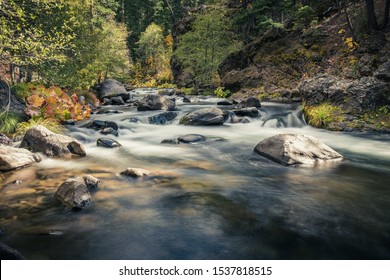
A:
[8,122]
[322,115]
[379,118]
[51,124]
[189,91]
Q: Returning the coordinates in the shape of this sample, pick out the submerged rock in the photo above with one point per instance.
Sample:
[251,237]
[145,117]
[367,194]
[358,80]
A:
[292,149]
[170,141]
[236,119]
[8,253]
[13,158]
[109,130]
[73,193]
[163,118]
[136,172]
[225,103]
[155,102]
[40,139]
[107,143]
[205,116]
[192,138]
[251,112]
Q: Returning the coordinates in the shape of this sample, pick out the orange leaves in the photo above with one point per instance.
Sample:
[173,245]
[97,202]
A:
[53,102]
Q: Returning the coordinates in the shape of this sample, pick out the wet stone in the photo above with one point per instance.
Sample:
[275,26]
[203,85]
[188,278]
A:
[106,142]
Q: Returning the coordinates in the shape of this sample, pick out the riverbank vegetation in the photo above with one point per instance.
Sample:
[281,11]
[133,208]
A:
[221,47]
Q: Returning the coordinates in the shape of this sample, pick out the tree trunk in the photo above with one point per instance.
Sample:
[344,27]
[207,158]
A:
[371,16]
[386,15]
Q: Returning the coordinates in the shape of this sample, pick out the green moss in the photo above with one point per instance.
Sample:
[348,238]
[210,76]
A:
[379,118]
[184,120]
[322,115]
[222,93]
[8,122]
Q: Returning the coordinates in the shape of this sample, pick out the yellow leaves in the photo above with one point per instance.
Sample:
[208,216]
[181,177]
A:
[350,43]
[342,31]
[35,100]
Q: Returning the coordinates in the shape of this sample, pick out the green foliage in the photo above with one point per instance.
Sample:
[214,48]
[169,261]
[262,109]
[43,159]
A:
[379,118]
[203,48]
[23,90]
[51,124]
[321,115]
[8,122]
[220,92]
[53,102]
[304,17]
[189,91]
[154,52]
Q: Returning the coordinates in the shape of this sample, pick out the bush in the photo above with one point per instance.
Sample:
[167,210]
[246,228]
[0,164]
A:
[220,92]
[189,91]
[305,17]
[321,115]
[9,122]
[53,102]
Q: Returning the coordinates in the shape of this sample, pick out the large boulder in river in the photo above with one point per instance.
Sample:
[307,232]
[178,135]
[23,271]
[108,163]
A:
[40,139]
[74,193]
[13,158]
[293,149]
[205,116]
[112,88]
[155,102]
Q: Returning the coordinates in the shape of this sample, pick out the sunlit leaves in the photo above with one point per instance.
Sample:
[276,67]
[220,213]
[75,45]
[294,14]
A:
[55,103]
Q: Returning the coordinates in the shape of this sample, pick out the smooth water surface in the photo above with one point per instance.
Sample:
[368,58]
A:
[213,200]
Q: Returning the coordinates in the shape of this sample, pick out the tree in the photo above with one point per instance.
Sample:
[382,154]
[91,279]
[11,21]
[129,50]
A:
[154,52]
[372,18]
[203,48]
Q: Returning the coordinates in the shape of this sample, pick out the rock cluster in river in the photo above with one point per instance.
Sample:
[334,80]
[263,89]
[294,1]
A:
[74,193]
[293,149]
[113,92]
[40,139]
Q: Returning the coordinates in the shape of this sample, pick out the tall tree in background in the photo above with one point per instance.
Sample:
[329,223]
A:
[372,17]
[203,48]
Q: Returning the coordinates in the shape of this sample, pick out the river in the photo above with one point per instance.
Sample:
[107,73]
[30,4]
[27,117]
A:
[213,200]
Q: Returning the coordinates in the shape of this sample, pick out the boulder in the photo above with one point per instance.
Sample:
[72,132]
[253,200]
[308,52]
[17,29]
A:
[236,119]
[109,112]
[117,100]
[383,72]
[100,125]
[106,142]
[250,102]
[163,118]
[40,139]
[247,112]
[17,105]
[4,140]
[205,116]
[90,181]
[106,101]
[136,172]
[73,193]
[155,102]
[112,88]
[293,149]
[186,100]
[13,158]
[8,253]
[354,97]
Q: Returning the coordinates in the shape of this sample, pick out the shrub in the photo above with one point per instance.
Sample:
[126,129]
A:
[8,122]
[189,91]
[53,102]
[321,115]
[220,92]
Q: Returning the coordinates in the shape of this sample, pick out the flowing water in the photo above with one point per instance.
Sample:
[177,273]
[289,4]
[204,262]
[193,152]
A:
[212,200]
